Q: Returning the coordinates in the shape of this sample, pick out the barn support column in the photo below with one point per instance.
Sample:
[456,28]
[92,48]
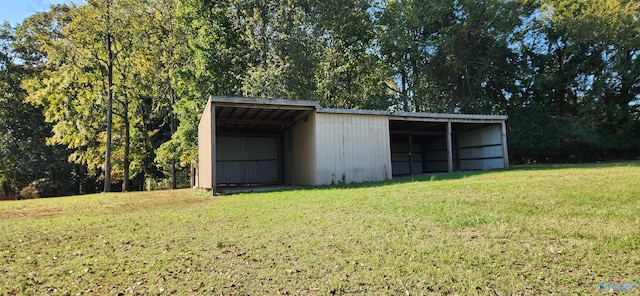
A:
[192,175]
[410,152]
[505,152]
[213,149]
[449,148]
[281,160]
[456,149]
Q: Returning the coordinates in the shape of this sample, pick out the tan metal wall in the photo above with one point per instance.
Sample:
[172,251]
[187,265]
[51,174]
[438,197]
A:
[352,148]
[302,160]
[204,148]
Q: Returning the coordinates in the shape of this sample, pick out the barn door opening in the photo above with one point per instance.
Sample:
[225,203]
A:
[249,143]
[421,146]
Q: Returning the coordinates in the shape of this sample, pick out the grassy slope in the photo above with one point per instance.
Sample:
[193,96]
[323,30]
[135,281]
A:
[527,231]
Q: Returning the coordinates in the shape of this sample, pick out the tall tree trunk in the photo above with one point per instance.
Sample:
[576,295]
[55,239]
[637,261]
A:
[127,143]
[107,157]
[404,91]
[173,160]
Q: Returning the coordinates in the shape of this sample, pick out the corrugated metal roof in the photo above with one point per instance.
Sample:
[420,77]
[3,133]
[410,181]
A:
[239,114]
[446,117]
[262,102]
[416,115]
[258,115]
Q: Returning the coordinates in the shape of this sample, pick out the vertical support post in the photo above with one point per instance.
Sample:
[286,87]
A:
[456,149]
[192,176]
[449,147]
[213,149]
[290,156]
[410,152]
[505,152]
[281,153]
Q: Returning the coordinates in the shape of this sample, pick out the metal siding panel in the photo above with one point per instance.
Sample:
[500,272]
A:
[352,148]
[247,160]
[481,152]
[341,161]
[204,148]
[484,164]
[481,149]
[400,147]
[399,157]
[400,168]
[254,172]
[434,156]
[246,148]
[435,150]
[505,151]
[485,136]
[416,167]
[288,153]
[436,166]
[303,164]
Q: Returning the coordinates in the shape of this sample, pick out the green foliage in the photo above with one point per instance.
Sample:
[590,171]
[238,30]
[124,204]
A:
[283,49]
[24,155]
[349,74]
[451,56]
[209,60]
[46,188]
[565,72]
[73,87]
[582,85]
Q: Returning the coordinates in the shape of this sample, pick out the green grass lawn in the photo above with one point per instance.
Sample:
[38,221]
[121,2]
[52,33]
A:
[531,230]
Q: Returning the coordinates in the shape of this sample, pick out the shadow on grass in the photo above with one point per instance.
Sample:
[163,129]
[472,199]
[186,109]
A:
[397,180]
[429,177]
[594,165]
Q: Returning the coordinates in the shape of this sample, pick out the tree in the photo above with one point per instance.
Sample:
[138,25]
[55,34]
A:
[160,50]
[93,85]
[406,27]
[283,49]
[350,74]
[24,155]
[603,38]
[452,56]
[582,84]
[212,62]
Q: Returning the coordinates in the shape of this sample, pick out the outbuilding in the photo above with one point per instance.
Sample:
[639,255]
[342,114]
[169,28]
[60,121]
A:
[255,141]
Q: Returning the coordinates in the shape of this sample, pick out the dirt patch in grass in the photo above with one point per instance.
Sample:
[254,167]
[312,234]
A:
[102,204]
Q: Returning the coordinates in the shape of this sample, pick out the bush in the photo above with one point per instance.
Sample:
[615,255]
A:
[44,188]
[29,192]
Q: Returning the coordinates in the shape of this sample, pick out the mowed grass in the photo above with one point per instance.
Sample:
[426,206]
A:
[530,231]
